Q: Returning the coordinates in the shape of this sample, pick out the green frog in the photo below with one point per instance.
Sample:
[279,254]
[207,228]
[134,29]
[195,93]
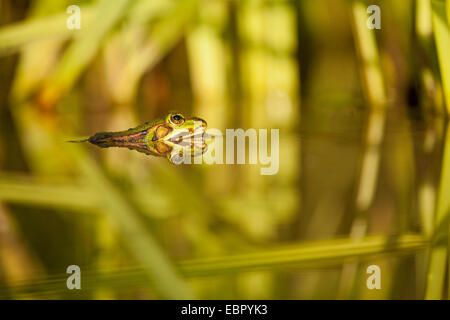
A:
[175,137]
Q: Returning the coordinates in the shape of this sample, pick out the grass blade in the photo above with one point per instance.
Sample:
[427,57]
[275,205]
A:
[298,256]
[13,36]
[442,37]
[83,49]
[438,258]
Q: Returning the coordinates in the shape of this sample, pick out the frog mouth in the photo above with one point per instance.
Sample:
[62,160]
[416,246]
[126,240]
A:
[189,138]
[191,142]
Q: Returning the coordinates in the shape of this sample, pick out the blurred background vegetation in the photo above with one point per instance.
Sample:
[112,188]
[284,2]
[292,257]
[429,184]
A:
[364,149]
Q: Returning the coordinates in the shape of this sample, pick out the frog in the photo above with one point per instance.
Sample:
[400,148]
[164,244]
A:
[175,137]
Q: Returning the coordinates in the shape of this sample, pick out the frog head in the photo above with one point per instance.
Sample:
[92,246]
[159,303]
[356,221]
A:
[178,137]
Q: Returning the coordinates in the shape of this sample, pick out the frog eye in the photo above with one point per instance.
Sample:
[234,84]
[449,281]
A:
[176,119]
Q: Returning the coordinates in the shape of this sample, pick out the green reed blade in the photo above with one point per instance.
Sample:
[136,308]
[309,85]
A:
[296,256]
[442,38]
[438,258]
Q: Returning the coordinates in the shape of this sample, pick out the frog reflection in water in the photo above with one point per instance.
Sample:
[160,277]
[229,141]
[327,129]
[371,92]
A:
[175,137]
